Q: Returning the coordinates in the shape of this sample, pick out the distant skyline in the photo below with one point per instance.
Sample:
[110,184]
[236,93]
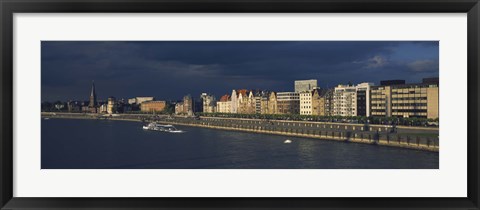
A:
[168,70]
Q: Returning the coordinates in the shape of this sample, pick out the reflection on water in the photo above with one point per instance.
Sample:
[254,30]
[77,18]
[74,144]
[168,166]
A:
[98,144]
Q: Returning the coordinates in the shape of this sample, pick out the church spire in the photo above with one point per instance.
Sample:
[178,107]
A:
[93,96]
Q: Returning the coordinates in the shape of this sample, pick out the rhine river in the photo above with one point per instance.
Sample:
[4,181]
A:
[104,144]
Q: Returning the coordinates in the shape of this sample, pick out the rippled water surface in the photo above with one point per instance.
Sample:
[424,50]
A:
[100,144]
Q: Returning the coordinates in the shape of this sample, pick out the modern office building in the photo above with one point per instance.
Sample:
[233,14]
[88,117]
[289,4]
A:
[305,85]
[406,100]
[288,103]
[350,100]
[345,100]
[363,99]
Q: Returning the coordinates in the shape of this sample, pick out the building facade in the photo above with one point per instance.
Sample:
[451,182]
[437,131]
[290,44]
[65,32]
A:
[111,105]
[224,104]
[246,102]
[318,102]
[185,107]
[406,100]
[363,99]
[328,97]
[306,107]
[153,106]
[272,104]
[345,100]
[208,102]
[288,103]
[305,85]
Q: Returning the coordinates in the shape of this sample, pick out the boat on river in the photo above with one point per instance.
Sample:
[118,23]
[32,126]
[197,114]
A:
[153,126]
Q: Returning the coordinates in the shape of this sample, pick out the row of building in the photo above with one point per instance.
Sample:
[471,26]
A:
[392,98]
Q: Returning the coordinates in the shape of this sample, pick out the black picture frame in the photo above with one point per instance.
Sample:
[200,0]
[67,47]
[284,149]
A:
[9,7]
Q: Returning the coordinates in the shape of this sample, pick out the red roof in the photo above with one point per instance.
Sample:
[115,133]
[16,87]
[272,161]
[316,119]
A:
[242,91]
[225,98]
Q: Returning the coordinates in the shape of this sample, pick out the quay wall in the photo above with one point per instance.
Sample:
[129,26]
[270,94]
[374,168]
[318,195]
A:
[415,138]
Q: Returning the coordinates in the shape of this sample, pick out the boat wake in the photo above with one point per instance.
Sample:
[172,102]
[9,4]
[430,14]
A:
[164,128]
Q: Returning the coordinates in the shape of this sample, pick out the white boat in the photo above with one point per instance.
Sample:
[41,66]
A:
[46,118]
[288,141]
[159,127]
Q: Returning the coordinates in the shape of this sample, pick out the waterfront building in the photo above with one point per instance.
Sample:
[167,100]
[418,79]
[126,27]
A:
[264,99]
[306,107]
[350,100]
[363,99]
[102,108]
[93,105]
[261,101]
[272,103]
[288,103]
[406,100]
[234,102]
[328,96]
[208,102]
[111,105]
[345,100]
[188,105]
[141,99]
[153,106]
[317,102]
[179,108]
[305,85]
[246,102]
[224,105]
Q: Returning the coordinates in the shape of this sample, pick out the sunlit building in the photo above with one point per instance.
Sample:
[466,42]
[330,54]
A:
[406,100]
[288,103]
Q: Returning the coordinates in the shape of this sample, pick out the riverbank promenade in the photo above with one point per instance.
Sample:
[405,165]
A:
[421,138]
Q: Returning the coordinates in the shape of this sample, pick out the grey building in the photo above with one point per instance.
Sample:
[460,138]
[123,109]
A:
[305,85]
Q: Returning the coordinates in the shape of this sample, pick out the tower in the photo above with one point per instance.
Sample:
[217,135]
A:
[92,106]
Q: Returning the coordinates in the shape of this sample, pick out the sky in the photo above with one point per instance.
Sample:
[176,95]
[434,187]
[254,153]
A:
[168,70]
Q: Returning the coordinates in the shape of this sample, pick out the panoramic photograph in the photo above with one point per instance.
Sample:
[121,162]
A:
[240,105]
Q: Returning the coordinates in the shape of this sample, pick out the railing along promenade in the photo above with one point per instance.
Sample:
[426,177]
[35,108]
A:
[422,138]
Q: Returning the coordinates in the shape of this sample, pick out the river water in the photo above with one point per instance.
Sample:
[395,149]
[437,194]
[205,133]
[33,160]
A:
[103,144]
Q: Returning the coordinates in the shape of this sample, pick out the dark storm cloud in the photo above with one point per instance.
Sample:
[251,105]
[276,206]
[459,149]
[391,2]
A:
[171,69]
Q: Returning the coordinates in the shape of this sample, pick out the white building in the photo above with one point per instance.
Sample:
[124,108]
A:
[306,107]
[349,100]
[305,85]
[224,104]
[233,102]
[345,100]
